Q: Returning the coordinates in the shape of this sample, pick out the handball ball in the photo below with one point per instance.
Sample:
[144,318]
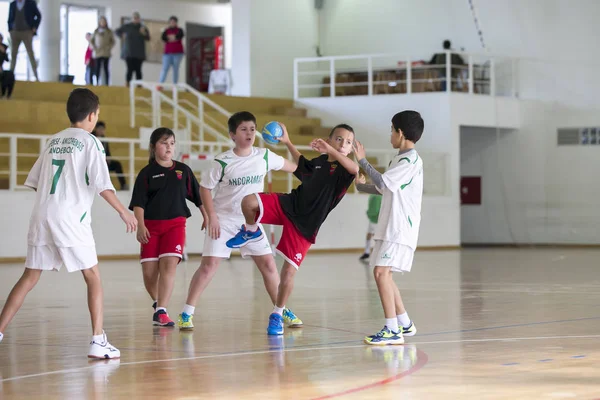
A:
[272,132]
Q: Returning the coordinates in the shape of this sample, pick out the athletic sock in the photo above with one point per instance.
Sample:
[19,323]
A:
[161,308]
[278,310]
[189,310]
[392,324]
[403,320]
[252,227]
[99,338]
[368,247]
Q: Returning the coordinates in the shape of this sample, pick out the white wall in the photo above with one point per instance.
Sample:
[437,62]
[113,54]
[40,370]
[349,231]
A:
[111,239]
[533,191]
[280,31]
[206,14]
[557,38]
[240,62]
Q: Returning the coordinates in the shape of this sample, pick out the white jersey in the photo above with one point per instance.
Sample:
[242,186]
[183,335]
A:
[400,214]
[232,177]
[68,174]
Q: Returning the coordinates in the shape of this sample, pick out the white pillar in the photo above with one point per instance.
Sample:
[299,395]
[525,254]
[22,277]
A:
[49,34]
[240,43]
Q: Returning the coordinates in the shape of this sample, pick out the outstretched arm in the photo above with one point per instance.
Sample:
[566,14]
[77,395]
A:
[285,139]
[323,147]
[376,177]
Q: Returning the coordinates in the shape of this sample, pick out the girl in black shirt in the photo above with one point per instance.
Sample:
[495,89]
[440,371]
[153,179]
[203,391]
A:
[159,204]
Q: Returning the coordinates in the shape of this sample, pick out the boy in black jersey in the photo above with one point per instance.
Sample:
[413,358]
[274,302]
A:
[159,204]
[325,180]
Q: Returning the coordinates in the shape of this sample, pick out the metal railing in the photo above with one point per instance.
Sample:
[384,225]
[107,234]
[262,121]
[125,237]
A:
[437,165]
[377,74]
[165,103]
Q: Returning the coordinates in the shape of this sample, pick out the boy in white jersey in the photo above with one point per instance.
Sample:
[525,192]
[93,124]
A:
[399,220]
[67,176]
[235,174]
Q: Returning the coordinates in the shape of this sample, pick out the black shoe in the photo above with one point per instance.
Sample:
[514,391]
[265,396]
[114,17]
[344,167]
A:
[154,305]
[364,257]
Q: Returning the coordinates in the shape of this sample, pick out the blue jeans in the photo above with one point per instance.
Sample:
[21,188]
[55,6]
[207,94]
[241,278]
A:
[170,60]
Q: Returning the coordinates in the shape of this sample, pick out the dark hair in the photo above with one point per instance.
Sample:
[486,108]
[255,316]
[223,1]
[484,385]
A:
[100,124]
[81,103]
[341,126]
[173,18]
[158,134]
[410,123]
[236,120]
[447,44]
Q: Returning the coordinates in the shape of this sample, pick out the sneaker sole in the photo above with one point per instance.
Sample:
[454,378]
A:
[155,323]
[388,343]
[186,328]
[295,325]
[106,357]
[247,242]
[413,333]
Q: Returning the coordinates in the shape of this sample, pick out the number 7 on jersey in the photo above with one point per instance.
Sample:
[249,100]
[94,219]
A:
[60,164]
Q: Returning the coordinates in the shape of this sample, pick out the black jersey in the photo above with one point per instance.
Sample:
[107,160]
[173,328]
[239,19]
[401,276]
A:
[324,183]
[162,192]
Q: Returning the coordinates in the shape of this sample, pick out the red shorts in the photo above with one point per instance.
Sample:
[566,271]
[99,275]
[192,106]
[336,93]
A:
[167,238]
[292,245]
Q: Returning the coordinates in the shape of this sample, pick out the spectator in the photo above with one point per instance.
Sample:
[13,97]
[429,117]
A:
[7,78]
[113,165]
[173,55]
[90,67]
[440,59]
[103,40]
[23,21]
[134,36]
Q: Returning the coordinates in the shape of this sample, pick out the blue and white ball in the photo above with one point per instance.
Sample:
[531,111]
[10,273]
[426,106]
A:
[272,132]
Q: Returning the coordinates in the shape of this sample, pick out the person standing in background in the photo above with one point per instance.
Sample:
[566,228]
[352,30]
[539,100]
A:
[172,36]
[134,36]
[103,40]
[7,78]
[90,68]
[24,18]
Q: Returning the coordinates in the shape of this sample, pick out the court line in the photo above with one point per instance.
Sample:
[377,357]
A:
[326,347]
[422,360]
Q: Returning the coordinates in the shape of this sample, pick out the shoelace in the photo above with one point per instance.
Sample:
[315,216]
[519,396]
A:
[185,317]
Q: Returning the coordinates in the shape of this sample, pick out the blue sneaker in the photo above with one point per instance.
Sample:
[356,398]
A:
[244,237]
[275,324]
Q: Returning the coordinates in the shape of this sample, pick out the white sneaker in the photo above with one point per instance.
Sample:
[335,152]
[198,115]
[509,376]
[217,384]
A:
[103,350]
[1,336]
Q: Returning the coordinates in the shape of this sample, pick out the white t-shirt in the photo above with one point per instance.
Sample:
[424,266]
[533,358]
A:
[231,178]
[68,174]
[400,214]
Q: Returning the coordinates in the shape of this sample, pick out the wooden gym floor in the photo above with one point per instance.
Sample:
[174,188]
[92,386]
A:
[493,324]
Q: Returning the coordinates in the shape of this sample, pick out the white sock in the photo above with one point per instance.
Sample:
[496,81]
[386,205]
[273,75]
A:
[161,308]
[252,228]
[278,310]
[368,247]
[403,320]
[392,324]
[99,338]
[1,336]
[189,310]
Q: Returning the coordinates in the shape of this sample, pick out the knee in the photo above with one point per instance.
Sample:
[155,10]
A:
[381,273]
[249,202]
[288,272]
[91,275]
[209,266]
[32,276]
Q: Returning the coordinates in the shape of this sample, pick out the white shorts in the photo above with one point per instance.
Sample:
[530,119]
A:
[390,254]
[371,228]
[52,258]
[218,248]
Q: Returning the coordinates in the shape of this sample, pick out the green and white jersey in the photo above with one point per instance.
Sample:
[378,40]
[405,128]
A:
[232,177]
[68,174]
[400,213]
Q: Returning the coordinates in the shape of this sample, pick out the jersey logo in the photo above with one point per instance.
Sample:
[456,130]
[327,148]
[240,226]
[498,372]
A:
[179,174]
[178,248]
[298,257]
[158,176]
[332,169]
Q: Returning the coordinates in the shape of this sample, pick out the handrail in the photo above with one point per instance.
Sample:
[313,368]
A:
[158,96]
[403,73]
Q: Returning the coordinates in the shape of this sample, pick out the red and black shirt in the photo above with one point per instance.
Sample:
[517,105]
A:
[162,192]
[324,183]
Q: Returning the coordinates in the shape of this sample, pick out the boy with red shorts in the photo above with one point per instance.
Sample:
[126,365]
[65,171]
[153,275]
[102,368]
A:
[325,180]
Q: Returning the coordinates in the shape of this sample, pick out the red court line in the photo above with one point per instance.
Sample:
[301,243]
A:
[422,359]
